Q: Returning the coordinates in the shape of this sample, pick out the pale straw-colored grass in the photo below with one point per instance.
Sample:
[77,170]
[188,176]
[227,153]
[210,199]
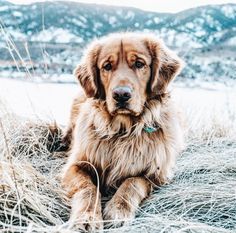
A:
[201,198]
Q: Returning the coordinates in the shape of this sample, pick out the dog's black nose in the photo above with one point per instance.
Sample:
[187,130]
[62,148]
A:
[122,94]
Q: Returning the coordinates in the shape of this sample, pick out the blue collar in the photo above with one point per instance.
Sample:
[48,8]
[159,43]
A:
[151,129]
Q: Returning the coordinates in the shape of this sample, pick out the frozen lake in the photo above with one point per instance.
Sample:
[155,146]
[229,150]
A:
[52,101]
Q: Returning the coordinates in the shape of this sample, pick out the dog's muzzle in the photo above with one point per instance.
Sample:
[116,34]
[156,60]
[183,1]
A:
[121,95]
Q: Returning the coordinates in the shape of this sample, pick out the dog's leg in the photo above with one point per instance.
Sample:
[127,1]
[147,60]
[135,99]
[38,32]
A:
[67,137]
[126,200]
[86,199]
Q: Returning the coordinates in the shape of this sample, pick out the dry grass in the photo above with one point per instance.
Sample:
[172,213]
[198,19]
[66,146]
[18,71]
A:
[201,198]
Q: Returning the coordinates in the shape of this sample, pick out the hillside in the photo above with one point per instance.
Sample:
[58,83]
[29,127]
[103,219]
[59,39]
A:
[52,35]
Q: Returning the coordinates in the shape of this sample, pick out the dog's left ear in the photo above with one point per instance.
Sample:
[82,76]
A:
[165,66]
[88,75]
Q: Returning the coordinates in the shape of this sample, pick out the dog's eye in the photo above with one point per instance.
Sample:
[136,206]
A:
[139,64]
[107,67]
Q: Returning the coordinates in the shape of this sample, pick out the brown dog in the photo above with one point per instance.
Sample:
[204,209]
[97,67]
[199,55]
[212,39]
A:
[125,132]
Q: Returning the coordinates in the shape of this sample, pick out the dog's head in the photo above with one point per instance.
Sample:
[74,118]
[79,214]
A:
[126,70]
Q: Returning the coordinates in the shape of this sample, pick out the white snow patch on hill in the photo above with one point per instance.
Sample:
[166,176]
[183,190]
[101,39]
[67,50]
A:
[57,35]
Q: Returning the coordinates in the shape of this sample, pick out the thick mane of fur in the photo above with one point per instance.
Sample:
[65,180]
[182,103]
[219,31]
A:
[128,141]
[119,146]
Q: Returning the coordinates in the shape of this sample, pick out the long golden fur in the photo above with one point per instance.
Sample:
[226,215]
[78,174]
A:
[127,149]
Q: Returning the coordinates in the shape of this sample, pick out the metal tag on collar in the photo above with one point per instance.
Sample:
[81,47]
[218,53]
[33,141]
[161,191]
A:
[150,129]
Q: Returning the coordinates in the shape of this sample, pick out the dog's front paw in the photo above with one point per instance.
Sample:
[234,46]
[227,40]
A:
[118,212]
[88,221]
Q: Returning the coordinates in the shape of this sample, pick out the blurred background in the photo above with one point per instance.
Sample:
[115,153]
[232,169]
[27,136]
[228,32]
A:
[43,41]
[46,38]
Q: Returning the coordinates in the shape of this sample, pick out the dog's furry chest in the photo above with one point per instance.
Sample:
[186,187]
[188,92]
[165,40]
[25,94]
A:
[97,140]
[119,158]
[122,157]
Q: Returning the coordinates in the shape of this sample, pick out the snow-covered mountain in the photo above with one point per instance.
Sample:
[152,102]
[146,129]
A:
[52,34]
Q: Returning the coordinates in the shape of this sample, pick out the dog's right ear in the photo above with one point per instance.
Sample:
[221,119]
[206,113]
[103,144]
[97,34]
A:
[88,73]
[165,66]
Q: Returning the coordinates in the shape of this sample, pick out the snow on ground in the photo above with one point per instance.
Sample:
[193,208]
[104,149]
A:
[50,101]
[38,100]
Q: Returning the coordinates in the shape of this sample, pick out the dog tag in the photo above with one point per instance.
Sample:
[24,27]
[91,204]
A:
[150,129]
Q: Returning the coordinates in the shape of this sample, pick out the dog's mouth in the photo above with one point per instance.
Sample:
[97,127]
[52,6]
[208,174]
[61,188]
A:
[124,110]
